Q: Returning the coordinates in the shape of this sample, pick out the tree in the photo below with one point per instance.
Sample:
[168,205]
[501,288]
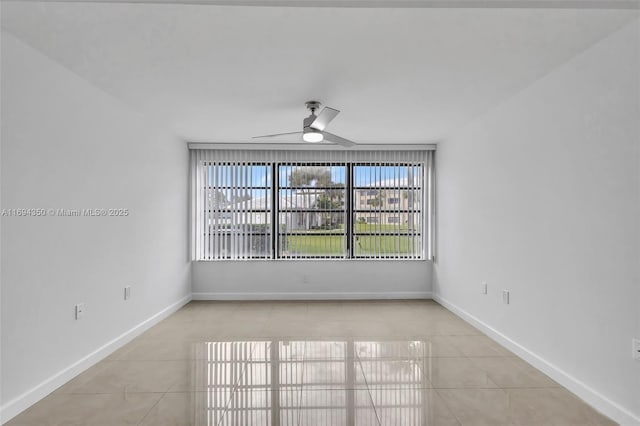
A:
[306,178]
[218,199]
[378,200]
[310,176]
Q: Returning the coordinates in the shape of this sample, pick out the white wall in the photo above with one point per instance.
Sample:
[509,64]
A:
[541,196]
[66,144]
[313,279]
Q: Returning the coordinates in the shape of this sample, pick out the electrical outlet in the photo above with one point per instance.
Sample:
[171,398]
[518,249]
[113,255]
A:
[127,292]
[483,287]
[79,310]
[635,344]
[505,296]
[305,279]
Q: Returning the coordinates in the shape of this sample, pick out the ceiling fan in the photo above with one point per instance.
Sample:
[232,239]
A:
[313,128]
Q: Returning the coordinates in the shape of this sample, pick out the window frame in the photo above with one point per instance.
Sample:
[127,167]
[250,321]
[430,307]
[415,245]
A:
[423,159]
[375,213]
[277,234]
[229,231]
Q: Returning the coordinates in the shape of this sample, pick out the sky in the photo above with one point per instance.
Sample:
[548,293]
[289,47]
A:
[256,178]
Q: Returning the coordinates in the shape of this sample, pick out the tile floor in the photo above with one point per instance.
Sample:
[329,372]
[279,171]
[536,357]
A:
[399,363]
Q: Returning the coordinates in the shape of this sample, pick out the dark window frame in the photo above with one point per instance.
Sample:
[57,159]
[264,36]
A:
[350,234]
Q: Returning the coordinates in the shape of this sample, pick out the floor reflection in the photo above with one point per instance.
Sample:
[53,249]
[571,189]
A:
[312,383]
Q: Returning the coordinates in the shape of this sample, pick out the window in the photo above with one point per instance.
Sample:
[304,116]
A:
[250,204]
[383,229]
[237,211]
[311,210]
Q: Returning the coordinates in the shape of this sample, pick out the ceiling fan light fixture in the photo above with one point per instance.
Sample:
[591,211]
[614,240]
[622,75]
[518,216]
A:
[312,136]
[314,128]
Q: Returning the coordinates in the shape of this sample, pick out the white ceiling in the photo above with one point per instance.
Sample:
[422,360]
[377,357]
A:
[226,73]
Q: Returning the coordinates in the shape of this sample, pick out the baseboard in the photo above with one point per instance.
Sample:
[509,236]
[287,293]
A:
[24,401]
[314,296]
[580,389]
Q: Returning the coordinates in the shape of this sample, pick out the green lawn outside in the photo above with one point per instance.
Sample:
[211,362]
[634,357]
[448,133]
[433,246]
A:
[373,227]
[328,245]
[333,245]
[391,244]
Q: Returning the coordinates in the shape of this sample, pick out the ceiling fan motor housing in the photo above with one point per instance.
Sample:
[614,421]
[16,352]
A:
[312,105]
[306,123]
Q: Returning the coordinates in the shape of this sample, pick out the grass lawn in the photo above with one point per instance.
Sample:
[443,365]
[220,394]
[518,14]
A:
[334,245]
[328,245]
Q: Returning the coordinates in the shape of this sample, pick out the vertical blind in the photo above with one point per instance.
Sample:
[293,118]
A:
[284,204]
[388,206]
[312,210]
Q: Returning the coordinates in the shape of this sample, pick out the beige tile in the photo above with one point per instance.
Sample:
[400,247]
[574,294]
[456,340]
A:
[288,329]
[291,350]
[478,407]
[129,376]
[432,346]
[511,372]
[364,412]
[99,410]
[425,328]
[411,330]
[411,406]
[183,409]
[324,401]
[325,374]
[477,346]
[246,328]
[82,378]
[248,407]
[328,407]
[330,329]
[187,331]
[331,349]
[307,329]
[322,397]
[119,353]
[553,407]
[230,364]
[200,311]
[373,328]
[158,350]
[454,327]
[440,346]
[394,373]
[525,407]
[402,349]
[446,373]
[327,310]
[392,362]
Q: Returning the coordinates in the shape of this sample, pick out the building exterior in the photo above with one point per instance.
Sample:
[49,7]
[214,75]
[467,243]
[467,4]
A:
[386,206]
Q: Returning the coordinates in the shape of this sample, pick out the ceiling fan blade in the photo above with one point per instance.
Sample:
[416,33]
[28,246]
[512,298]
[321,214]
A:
[330,137]
[291,136]
[324,118]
